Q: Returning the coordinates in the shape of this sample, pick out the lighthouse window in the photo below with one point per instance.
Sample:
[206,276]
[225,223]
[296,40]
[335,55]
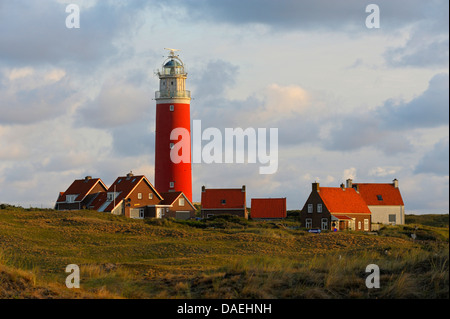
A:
[171,145]
[172,108]
[171,184]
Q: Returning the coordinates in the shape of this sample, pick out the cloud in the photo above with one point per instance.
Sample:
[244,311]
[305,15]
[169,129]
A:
[307,15]
[32,95]
[437,160]
[215,79]
[118,103]
[430,109]
[386,127]
[427,43]
[31,32]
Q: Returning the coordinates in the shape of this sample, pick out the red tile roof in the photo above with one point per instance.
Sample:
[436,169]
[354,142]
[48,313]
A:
[268,208]
[223,198]
[80,187]
[389,194]
[347,201]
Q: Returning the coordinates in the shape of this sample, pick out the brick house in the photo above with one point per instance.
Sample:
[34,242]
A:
[128,195]
[384,201]
[80,194]
[268,208]
[224,201]
[174,205]
[335,208]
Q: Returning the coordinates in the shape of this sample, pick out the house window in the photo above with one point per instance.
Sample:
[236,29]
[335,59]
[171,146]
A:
[181,202]
[366,224]
[359,225]
[141,212]
[324,223]
[139,195]
[310,208]
[71,198]
[379,197]
[172,184]
[150,195]
[171,108]
[308,223]
[392,219]
[223,201]
[319,208]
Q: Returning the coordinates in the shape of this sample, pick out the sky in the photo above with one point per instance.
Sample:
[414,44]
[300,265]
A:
[371,104]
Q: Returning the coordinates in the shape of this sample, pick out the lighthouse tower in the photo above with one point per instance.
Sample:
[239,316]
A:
[172,111]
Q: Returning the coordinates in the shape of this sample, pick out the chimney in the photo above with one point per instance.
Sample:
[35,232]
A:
[316,187]
[243,188]
[87,178]
[203,189]
[349,183]
[129,175]
[395,183]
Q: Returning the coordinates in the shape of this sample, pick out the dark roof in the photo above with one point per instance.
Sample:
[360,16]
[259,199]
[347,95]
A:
[170,197]
[268,208]
[172,63]
[81,188]
[223,198]
[123,185]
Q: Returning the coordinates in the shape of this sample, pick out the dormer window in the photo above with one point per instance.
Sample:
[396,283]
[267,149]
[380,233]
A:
[223,201]
[71,198]
[379,197]
[110,196]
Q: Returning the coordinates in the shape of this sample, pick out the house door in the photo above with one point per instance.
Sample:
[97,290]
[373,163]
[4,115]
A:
[324,223]
[159,212]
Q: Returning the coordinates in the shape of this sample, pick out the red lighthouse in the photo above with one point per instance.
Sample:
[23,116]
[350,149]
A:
[172,111]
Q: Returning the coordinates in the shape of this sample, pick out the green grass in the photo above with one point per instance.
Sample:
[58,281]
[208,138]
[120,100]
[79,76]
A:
[224,257]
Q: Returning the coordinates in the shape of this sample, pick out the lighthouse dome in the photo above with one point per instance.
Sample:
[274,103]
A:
[172,63]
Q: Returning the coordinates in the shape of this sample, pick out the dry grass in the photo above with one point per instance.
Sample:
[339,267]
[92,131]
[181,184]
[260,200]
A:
[124,258]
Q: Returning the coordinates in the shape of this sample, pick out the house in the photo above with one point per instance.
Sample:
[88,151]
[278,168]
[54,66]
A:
[80,194]
[174,205]
[224,201]
[335,208]
[384,201]
[268,208]
[129,195]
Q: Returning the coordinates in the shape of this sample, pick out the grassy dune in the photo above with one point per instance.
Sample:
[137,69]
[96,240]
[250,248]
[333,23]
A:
[223,258]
